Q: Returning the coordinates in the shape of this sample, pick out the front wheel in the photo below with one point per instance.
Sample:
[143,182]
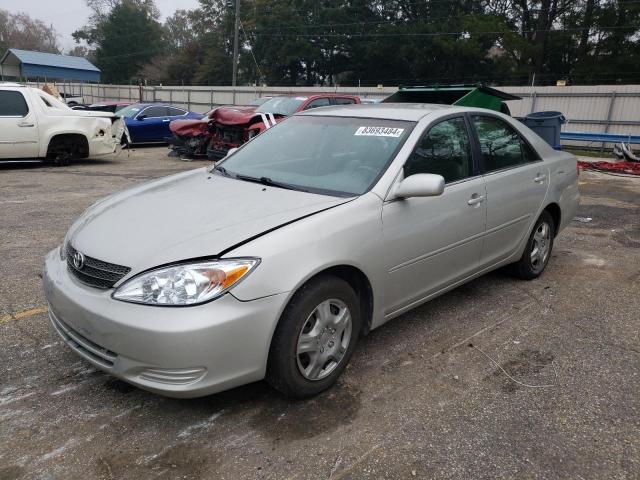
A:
[538,250]
[315,338]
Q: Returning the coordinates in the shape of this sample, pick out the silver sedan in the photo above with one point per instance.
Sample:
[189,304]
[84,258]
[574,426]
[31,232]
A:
[274,262]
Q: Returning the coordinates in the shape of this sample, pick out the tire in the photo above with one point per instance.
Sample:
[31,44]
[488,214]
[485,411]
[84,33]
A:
[311,322]
[532,264]
[65,148]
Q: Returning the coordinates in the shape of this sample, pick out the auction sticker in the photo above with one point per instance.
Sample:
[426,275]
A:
[379,132]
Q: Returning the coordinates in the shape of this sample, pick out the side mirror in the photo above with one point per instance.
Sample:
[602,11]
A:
[420,185]
[231,151]
[141,117]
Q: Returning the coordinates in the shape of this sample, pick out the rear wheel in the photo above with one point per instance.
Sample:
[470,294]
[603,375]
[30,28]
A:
[315,338]
[538,250]
[64,148]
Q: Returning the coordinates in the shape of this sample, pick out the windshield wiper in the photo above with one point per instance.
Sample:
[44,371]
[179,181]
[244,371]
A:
[267,181]
[223,171]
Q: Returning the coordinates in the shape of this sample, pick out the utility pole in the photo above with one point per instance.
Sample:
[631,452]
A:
[236,34]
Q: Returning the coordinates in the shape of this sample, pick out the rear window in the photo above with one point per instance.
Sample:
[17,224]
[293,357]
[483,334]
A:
[12,104]
[155,112]
[344,101]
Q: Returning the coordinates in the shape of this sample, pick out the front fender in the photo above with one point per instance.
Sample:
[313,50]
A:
[347,234]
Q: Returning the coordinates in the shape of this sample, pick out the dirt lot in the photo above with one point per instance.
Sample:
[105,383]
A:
[422,398]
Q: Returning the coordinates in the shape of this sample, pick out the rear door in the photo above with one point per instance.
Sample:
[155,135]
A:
[517,181]
[343,101]
[174,113]
[433,242]
[18,126]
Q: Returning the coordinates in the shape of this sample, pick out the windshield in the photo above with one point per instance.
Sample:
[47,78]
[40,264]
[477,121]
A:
[281,105]
[329,155]
[130,111]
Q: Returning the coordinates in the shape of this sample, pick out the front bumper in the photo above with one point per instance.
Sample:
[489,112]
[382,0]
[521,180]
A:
[179,352]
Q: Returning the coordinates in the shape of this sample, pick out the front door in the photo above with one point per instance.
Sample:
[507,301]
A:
[18,126]
[150,124]
[517,182]
[433,242]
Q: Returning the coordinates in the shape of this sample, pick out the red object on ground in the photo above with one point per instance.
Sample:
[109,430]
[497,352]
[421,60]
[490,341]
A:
[629,168]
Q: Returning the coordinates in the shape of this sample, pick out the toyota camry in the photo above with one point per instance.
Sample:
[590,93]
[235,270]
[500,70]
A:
[272,263]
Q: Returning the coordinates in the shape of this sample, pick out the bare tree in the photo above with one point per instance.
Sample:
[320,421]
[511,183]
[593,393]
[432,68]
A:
[21,31]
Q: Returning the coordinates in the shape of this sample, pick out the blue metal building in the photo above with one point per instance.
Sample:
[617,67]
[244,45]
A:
[25,65]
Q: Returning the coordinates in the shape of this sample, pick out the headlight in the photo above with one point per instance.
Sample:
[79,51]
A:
[186,284]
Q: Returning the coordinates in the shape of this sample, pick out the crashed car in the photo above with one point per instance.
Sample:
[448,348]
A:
[229,127]
[191,138]
[112,107]
[37,125]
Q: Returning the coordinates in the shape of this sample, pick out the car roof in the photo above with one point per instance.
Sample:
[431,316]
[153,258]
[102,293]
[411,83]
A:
[310,95]
[138,104]
[392,111]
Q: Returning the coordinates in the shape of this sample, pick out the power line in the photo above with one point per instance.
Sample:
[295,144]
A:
[382,35]
[435,34]
[251,51]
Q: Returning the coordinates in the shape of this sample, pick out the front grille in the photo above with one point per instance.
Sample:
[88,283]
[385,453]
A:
[94,272]
[82,345]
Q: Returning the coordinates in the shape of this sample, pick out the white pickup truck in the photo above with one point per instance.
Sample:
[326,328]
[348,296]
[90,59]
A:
[34,124]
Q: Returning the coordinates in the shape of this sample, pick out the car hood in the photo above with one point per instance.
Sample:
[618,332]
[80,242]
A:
[189,127]
[233,115]
[189,215]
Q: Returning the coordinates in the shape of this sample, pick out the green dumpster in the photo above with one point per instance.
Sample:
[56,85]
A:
[479,96]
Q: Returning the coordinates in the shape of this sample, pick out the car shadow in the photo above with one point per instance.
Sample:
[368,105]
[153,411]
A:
[34,164]
[277,416]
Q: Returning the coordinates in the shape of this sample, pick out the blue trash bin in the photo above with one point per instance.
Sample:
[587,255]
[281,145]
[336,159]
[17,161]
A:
[547,125]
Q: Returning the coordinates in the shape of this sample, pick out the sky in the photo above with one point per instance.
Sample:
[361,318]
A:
[69,15]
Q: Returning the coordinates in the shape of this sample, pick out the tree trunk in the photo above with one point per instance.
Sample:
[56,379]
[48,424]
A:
[587,23]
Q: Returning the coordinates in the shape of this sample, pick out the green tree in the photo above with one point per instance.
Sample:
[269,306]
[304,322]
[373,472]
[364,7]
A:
[327,42]
[130,38]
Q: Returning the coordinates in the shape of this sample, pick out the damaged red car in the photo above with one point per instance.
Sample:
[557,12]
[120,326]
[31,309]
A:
[224,128]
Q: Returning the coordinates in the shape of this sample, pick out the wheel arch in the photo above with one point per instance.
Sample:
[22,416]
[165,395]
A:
[78,138]
[554,210]
[360,283]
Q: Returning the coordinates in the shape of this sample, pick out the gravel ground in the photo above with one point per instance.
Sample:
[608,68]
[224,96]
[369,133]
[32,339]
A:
[426,396]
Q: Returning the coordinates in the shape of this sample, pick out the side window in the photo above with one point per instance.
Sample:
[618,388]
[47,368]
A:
[175,112]
[154,112]
[444,150]
[12,104]
[46,102]
[501,146]
[343,101]
[318,102]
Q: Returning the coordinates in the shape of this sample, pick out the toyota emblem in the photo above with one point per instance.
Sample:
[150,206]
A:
[78,260]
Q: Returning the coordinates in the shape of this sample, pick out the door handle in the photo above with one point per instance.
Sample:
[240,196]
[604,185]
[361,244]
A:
[540,178]
[166,119]
[475,199]
[25,124]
